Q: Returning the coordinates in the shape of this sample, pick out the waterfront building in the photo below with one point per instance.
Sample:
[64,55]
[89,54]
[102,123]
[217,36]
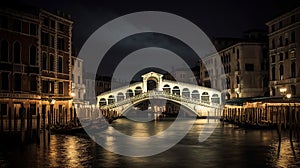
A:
[35,62]
[245,67]
[284,47]
[78,86]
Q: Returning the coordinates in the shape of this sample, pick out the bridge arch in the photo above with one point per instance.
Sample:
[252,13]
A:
[196,94]
[176,90]
[205,97]
[167,88]
[138,90]
[102,102]
[186,92]
[120,96]
[111,99]
[129,93]
[215,98]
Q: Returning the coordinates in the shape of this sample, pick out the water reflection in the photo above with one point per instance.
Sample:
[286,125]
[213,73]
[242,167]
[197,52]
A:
[228,146]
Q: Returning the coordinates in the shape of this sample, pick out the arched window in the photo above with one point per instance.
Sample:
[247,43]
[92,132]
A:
[138,90]
[111,99]
[205,97]
[176,90]
[215,98]
[129,93]
[32,55]
[195,94]
[186,92]
[4,51]
[102,102]
[120,96]
[167,89]
[17,52]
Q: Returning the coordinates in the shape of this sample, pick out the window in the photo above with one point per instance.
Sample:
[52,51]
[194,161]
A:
[293,69]
[293,37]
[280,41]
[293,19]
[78,64]
[237,54]
[46,22]
[45,86]
[60,43]
[4,51]
[52,24]
[60,64]
[44,61]
[281,57]
[286,55]
[33,84]
[273,44]
[52,41]
[33,29]
[233,50]
[60,27]
[17,82]
[17,26]
[286,41]
[33,109]
[281,72]
[32,55]
[238,66]
[51,87]
[273,58]
[60,88]
[78,80]
[4,81]
[72,61]
[237,80]
[51,62]
[280,24]
[273,73]
[3,108]
[17,52]
[249,67]
[45,39]
[4,22]
[273,28]
[293,89]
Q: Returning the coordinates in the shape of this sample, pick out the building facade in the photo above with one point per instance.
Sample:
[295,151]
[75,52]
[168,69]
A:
[78,86]
[35,63]
[244,70]
[284,47]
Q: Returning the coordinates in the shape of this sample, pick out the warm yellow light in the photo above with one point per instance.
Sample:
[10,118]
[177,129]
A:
[73,94]
[288,95]
[282,90]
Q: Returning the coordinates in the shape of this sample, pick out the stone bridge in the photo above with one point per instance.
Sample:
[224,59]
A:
[201,101]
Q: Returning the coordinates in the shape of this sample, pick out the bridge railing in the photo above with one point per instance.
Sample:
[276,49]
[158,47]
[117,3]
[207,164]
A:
[160,94]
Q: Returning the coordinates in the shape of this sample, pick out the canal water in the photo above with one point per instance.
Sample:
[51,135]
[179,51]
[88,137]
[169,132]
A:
[228,146]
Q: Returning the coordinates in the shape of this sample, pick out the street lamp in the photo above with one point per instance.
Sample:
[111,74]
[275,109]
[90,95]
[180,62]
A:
[73,94]
[288,95]
[282,91]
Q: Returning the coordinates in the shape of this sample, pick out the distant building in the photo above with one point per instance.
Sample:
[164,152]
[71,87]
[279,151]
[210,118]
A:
[245,67]
[35,62]
[284,55]
[78,86]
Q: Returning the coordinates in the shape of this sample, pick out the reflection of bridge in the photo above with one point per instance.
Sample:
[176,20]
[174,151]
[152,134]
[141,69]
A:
[200,100]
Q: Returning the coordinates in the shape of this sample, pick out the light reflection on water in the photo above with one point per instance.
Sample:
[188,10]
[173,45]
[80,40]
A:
[226,147]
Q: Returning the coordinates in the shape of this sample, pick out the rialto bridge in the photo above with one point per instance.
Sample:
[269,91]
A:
[200,100]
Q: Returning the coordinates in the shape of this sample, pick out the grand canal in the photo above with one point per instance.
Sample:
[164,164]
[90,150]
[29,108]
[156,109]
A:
[228,146]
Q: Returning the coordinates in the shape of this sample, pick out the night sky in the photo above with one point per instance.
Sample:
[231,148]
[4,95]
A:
[216,18]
